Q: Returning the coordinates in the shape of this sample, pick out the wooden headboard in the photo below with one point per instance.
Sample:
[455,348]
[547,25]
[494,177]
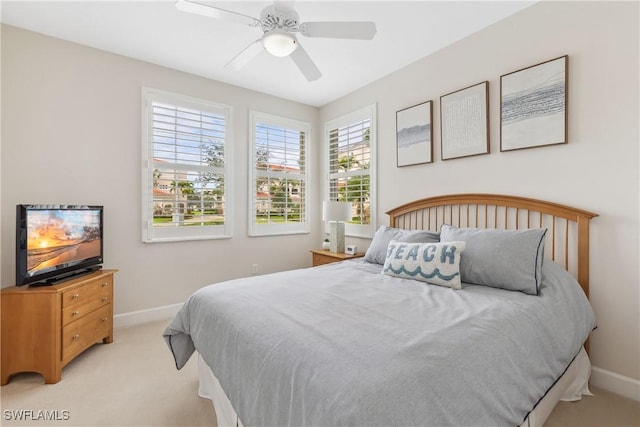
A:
[568,228]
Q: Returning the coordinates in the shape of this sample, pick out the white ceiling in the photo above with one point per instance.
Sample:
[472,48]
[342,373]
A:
[156,32]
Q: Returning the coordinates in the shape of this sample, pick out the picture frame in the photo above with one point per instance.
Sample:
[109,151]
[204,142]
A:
[533,106]
[464,122]
[414,135]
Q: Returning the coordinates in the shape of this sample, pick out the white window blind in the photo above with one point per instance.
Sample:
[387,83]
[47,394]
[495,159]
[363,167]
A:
[185,190]
[351,167]
[279,177]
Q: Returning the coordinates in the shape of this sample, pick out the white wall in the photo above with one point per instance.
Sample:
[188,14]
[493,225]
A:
[597,170]
[71,134]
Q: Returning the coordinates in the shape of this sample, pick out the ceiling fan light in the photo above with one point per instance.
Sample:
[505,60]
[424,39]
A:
[278,43]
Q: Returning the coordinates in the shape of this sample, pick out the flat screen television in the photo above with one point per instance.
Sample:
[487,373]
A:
[57,242]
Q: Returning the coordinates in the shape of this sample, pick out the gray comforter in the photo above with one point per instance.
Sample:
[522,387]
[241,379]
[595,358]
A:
[342,344]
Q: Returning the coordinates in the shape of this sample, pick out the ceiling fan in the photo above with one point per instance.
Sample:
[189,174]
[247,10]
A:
[279,23]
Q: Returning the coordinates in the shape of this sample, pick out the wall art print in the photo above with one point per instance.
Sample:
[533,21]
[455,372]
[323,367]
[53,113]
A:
[533,106]
[414,135]
[464,122]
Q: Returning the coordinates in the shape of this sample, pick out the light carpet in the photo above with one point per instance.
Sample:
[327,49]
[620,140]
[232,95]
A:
[133,382]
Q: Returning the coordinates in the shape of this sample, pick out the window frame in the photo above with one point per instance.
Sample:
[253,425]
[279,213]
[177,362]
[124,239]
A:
[271,229]
[149,233]
[368,112]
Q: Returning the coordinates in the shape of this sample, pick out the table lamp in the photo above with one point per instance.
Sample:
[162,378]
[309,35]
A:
[337,213]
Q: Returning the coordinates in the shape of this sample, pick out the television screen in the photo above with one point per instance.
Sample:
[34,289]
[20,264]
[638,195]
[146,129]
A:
[56,241]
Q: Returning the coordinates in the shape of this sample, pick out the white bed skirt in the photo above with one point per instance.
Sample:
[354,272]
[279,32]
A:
[211,389]
[571,386]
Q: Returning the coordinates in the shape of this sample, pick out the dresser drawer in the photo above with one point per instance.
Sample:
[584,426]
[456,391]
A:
[77,311]
[85,332]
[82,294]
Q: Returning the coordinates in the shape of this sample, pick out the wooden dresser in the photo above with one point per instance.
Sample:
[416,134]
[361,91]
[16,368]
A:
[46,327]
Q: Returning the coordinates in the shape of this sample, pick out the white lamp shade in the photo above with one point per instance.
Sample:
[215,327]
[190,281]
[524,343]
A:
[278,43]
[336,211]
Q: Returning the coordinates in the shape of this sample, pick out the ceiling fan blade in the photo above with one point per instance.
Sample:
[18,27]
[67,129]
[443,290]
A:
[246,55]
[339,30]
[305,64]
[216,12]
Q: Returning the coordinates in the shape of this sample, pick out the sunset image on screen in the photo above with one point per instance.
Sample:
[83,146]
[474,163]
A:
[59,237]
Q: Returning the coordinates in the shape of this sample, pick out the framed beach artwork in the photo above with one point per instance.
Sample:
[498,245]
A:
[414,135]
[464,122]
[533,106]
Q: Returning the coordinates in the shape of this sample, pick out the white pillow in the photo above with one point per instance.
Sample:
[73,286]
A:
[435,263]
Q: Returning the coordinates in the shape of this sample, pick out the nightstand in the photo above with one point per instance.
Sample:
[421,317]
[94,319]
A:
[321,256]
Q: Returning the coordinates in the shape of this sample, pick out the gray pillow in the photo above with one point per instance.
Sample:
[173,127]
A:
[377,251]
[507,259]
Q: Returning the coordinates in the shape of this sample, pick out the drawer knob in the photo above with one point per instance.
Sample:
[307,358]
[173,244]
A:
[104,319]
[75,313]
[105,299]
[75,337]
[104,284]
[75,296]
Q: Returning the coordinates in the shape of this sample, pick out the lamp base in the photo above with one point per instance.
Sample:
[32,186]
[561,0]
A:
[336,236]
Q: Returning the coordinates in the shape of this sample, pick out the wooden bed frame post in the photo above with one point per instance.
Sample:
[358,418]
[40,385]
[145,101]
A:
[583,259]
[583,253]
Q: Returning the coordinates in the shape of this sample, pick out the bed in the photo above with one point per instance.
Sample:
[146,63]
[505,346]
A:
[468,309]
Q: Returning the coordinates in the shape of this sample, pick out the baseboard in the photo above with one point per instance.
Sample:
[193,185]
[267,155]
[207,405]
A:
[145,316]
[615,383]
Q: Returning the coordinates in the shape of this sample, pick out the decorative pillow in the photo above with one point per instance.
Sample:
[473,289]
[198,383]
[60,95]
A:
[507,259]
[435,263]
[378,249]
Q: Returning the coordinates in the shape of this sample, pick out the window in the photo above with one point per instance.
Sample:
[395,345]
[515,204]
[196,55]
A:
[279,178]
[186,154]
[350,162]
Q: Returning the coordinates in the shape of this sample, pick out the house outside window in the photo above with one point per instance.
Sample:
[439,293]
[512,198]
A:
[350,147]
[186,153]
[279,175]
